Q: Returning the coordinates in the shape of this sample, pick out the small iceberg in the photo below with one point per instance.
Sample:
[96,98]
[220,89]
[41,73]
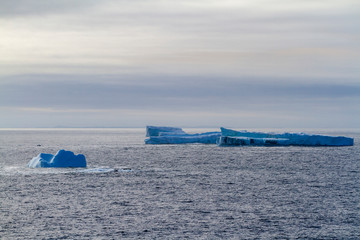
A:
[171,135]
[62,159]
[238,138]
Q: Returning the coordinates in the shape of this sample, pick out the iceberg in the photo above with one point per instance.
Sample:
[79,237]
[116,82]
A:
[171,135]
[243,141]
[157,131]
[62,159]
[206,138]
[238,138]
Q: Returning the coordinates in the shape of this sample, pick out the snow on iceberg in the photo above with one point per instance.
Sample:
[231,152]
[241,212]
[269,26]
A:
[170,135]
[62,159]
[231,137]
[158,131]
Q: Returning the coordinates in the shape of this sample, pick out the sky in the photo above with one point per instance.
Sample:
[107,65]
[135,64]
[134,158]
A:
[190,63]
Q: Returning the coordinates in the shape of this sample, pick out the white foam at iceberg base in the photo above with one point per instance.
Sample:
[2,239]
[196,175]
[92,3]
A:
[62,159]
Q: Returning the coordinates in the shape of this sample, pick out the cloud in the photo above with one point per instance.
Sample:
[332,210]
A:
[256,59]
[24,8]
[169,93]
[229,38]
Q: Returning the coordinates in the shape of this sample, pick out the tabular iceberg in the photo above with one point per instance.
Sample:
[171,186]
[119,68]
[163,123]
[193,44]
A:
[206,138]
[158,131]
[170,135]
[231,138]
[62,159]
[243,141]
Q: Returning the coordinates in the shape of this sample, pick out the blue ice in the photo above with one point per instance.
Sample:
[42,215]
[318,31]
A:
[170,135]
[231,137]
[157,131]
[62,159]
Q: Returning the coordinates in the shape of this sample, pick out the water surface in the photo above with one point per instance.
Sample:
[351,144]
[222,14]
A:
[176,191]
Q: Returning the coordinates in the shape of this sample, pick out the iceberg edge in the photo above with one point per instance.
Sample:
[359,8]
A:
[62,159]
[229,136]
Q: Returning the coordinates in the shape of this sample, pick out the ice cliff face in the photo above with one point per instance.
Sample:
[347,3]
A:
[205,138]
[228,137]
[250,141]
[152,131]
[171,135]
[62,159]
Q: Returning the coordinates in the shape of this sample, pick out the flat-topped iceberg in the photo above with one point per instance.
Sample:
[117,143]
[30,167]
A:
[236,138]
[244,141]
[62,159]
[171,135]
[206,138]
[158,131]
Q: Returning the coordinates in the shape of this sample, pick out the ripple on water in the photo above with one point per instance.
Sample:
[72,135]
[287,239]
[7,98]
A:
[176,192]
[13,170]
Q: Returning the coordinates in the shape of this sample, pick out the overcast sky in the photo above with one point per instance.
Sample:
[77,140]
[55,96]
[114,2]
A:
[196,63]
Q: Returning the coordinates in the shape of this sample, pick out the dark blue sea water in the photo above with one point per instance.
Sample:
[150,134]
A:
[176,191]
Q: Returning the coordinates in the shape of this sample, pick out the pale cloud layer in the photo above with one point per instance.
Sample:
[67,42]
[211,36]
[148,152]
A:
[132,63]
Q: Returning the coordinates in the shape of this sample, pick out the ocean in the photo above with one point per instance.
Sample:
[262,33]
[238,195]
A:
[135,191]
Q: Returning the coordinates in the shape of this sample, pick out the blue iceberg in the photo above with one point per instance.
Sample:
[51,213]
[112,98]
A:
[205,138]
[250,141]
[152,131]
[170,135]
[238,138]
[62,159]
